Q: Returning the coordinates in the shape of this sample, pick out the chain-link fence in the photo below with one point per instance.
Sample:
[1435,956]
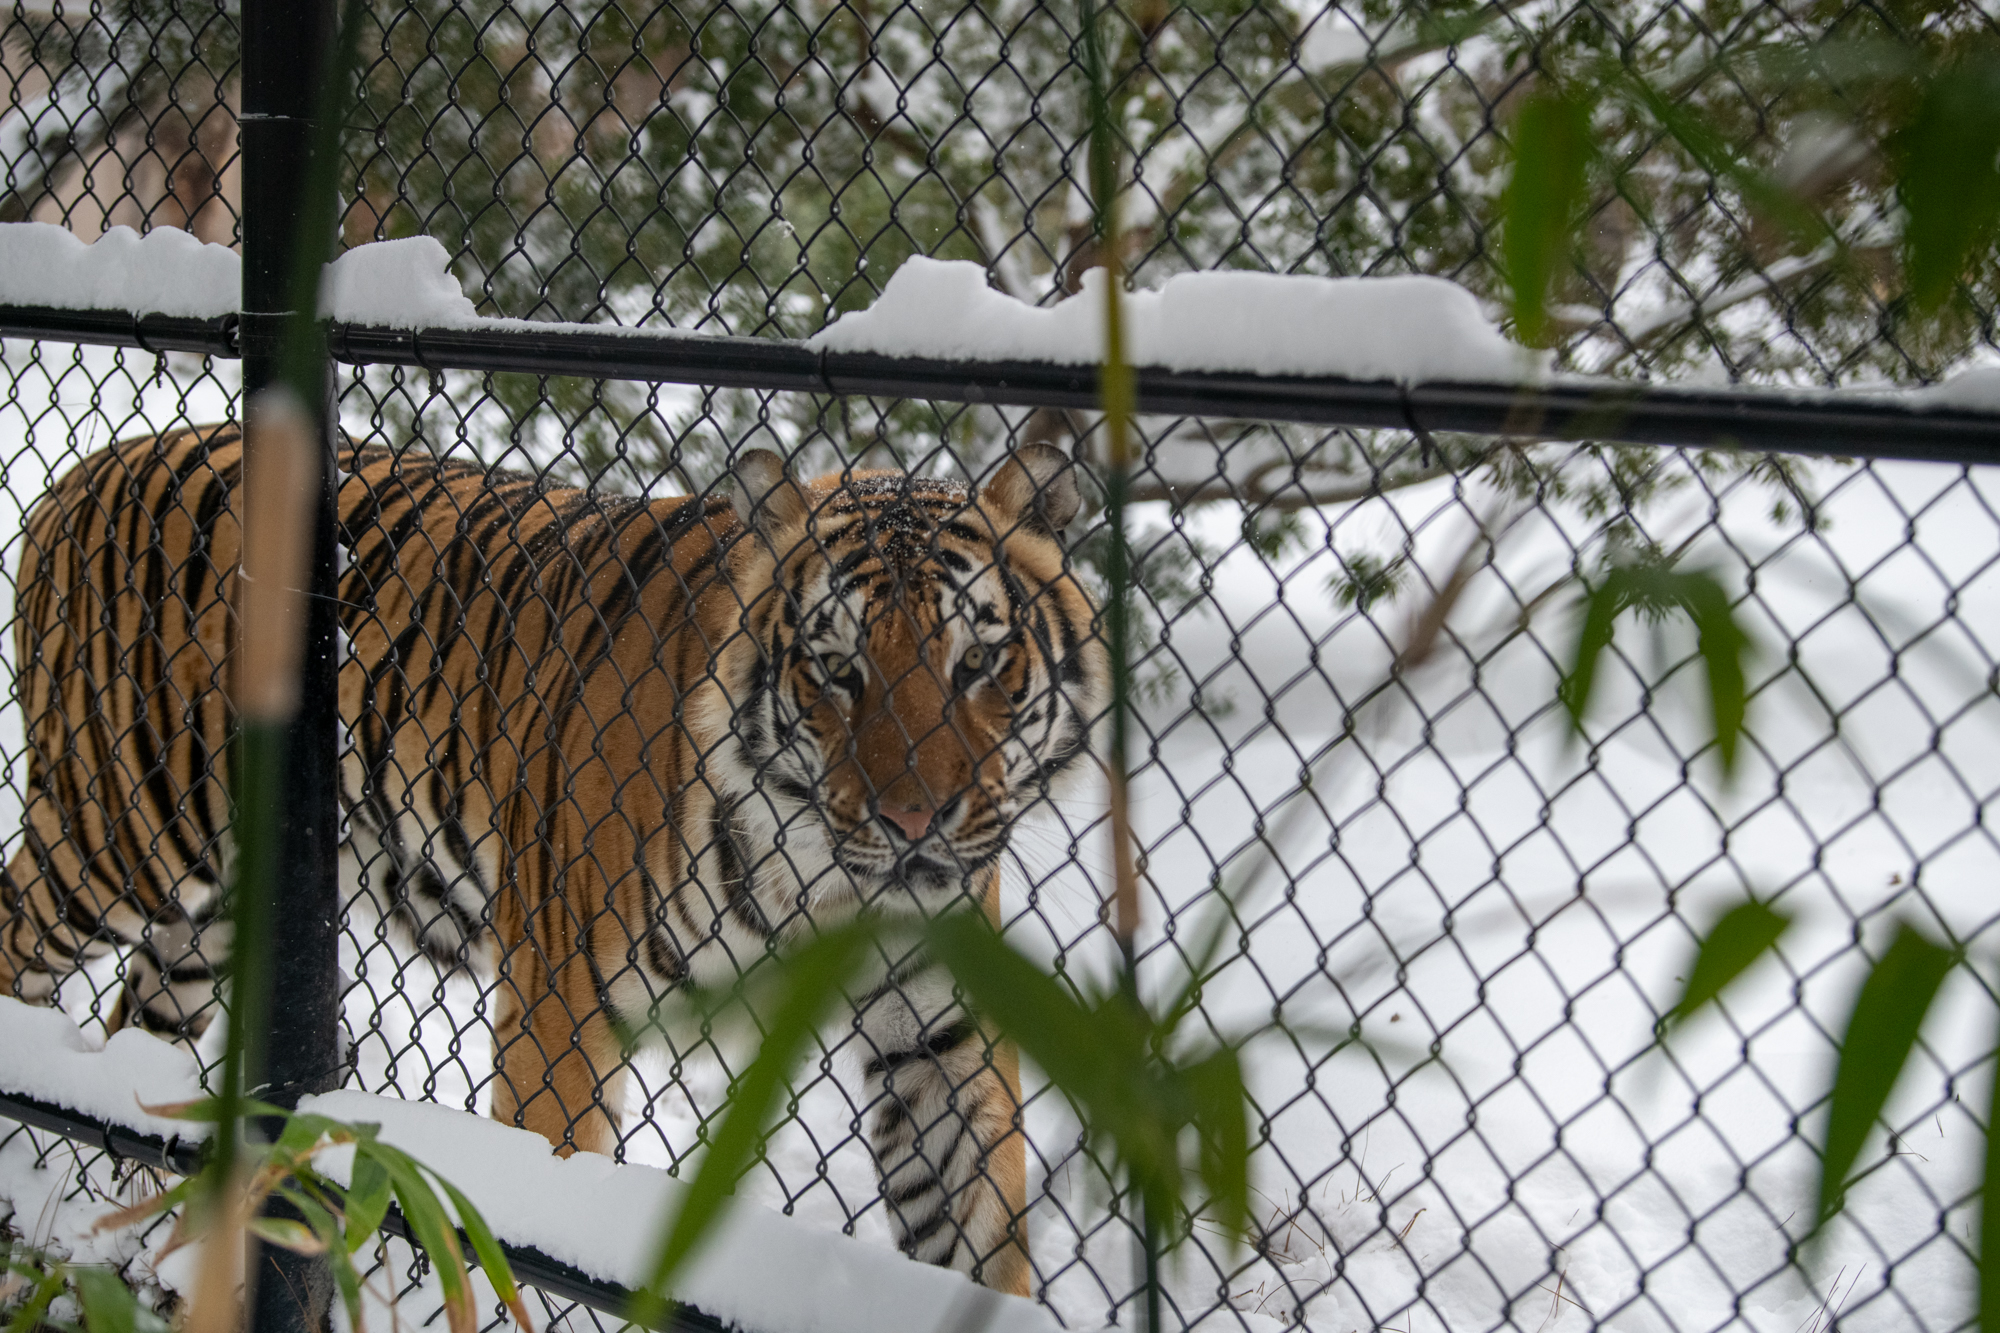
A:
[1350,746]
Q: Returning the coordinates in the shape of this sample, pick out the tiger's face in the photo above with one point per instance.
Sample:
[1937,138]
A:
[928,670]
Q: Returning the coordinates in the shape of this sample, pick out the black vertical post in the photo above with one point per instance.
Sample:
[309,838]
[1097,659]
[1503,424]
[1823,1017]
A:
[286,48]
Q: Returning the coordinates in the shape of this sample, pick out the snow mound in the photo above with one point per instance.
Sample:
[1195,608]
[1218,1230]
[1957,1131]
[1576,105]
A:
[758,1270]
[1974,389]
[166,271]
[404,284]
[1407,329]
[44,1056]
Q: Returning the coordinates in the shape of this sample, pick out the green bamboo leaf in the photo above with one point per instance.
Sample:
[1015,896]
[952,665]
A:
[286,1232]
[1545,195]
[348,1279]
[813,978]
[1723,646]
[1888,1011]
[491,1257]
[302,1131]
[1655,590]
[1103,1059]
[34,1272]
[1739,937]
[367,1200]
[432,1228]
[1948,175]
[1097,1057]
[325,1226]
[1600,617]
[1207,945]
[109,1305]
[1989,1212]
[1215,1090]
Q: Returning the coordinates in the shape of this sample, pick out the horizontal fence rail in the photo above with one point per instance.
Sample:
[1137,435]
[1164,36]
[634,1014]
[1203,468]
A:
[1763,420]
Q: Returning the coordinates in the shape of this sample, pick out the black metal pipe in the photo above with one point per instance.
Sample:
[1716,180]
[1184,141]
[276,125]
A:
[1766,420]
[1759,419]
[119,328]
[666,357]
[183,1158]
[287,45]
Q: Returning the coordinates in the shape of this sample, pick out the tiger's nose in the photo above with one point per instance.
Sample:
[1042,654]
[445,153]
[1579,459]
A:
[913,820]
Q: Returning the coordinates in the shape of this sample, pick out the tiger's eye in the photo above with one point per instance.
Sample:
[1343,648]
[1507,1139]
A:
[841,669]
[974,659]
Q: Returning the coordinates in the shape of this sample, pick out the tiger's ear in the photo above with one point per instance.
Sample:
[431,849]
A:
[1036,488]
[766,497]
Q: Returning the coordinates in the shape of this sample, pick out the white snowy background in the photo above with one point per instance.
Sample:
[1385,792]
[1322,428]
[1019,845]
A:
[1475,885]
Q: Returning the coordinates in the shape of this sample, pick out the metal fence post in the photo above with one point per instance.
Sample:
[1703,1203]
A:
[286,44]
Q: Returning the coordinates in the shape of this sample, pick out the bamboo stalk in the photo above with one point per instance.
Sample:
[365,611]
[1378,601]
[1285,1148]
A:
[281,472]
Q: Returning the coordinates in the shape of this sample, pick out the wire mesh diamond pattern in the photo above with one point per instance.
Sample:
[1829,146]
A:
[1452,922]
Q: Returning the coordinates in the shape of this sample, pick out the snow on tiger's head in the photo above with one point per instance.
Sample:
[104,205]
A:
[927,663]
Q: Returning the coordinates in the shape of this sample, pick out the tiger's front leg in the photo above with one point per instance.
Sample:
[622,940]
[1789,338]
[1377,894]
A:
[559,1066]
[943,1116]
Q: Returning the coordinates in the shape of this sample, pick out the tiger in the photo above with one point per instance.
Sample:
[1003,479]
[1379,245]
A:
[599,750]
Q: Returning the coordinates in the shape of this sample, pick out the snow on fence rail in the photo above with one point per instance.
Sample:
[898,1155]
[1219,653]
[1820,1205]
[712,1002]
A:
[1386,353]
[582,1227]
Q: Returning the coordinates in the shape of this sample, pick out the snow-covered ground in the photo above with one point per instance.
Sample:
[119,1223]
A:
[1517,904]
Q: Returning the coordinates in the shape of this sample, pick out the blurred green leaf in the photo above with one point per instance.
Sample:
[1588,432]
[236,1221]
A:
[109,1305]
[491,1258]
[1600,616]
[208,1110]
[1714,153]
[812,980]
[1739,937]
[1723,646]
[367,1200]
[302,1131]
[1215,1087]
[48,1284]
[1948,167]
[1655,589]
[286,1232]
[325,1229]
[1552,150]
[348,1280]
[433,1231]
[1989,1212]
[1109,1059]
[1091,1056]
[1888,1011]
[1857,62]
